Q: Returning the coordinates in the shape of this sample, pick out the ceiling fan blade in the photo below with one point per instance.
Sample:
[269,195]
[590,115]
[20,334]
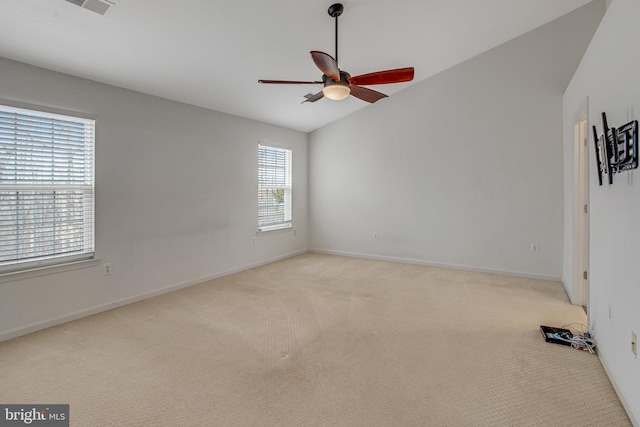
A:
[366,94]
[398,75]
[288,82]
[314,98]
[327,64]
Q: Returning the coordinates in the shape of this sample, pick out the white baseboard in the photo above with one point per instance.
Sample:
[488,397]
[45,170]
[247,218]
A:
[438,264]
[38,326]
[616,387]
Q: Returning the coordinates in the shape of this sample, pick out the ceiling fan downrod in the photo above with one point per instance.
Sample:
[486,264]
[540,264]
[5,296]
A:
[334,11]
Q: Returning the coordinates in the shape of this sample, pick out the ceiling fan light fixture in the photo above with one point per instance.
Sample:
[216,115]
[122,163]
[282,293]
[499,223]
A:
[336,92]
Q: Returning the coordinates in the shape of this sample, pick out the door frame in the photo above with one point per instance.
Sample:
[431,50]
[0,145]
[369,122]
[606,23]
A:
[581,208]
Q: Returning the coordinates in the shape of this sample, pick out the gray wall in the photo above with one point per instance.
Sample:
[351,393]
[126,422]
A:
[463,169]
[615,210]
[176,198]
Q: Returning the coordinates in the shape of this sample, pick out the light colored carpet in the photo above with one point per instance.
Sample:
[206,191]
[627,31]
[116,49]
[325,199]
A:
[319,340]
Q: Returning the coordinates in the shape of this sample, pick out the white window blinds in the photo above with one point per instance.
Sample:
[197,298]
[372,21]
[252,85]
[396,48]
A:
[274,188]
[46,188]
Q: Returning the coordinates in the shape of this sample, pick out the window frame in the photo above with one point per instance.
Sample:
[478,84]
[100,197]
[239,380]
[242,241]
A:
[286,187]
[47,191]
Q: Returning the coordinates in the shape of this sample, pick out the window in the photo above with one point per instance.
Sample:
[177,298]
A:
[46,188]
[274,188]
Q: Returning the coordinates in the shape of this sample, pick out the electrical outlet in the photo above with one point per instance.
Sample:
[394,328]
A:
[610,312]
[634,344]
[535,248]
[106,268]
[253,240]
[375,235]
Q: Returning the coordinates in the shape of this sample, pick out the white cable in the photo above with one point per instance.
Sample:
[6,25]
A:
[580,339]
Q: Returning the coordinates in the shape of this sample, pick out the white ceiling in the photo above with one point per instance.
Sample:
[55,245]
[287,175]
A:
[211,53]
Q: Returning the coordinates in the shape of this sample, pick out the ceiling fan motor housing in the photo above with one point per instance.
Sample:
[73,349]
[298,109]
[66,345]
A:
[344,79]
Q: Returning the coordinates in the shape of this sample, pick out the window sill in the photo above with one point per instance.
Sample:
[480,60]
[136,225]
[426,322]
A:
[31,273]
[272,228]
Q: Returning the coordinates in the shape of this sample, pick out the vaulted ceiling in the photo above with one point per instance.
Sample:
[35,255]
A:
[211,53]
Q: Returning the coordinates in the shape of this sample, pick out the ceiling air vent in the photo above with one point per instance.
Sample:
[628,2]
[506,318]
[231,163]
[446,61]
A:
[98,6]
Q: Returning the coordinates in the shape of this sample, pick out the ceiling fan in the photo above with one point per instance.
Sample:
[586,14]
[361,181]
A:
[338,84]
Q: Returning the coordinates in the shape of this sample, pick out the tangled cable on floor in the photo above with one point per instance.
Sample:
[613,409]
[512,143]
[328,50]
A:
[581,338]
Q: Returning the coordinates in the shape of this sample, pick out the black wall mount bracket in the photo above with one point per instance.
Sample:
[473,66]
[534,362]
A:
[616,149]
